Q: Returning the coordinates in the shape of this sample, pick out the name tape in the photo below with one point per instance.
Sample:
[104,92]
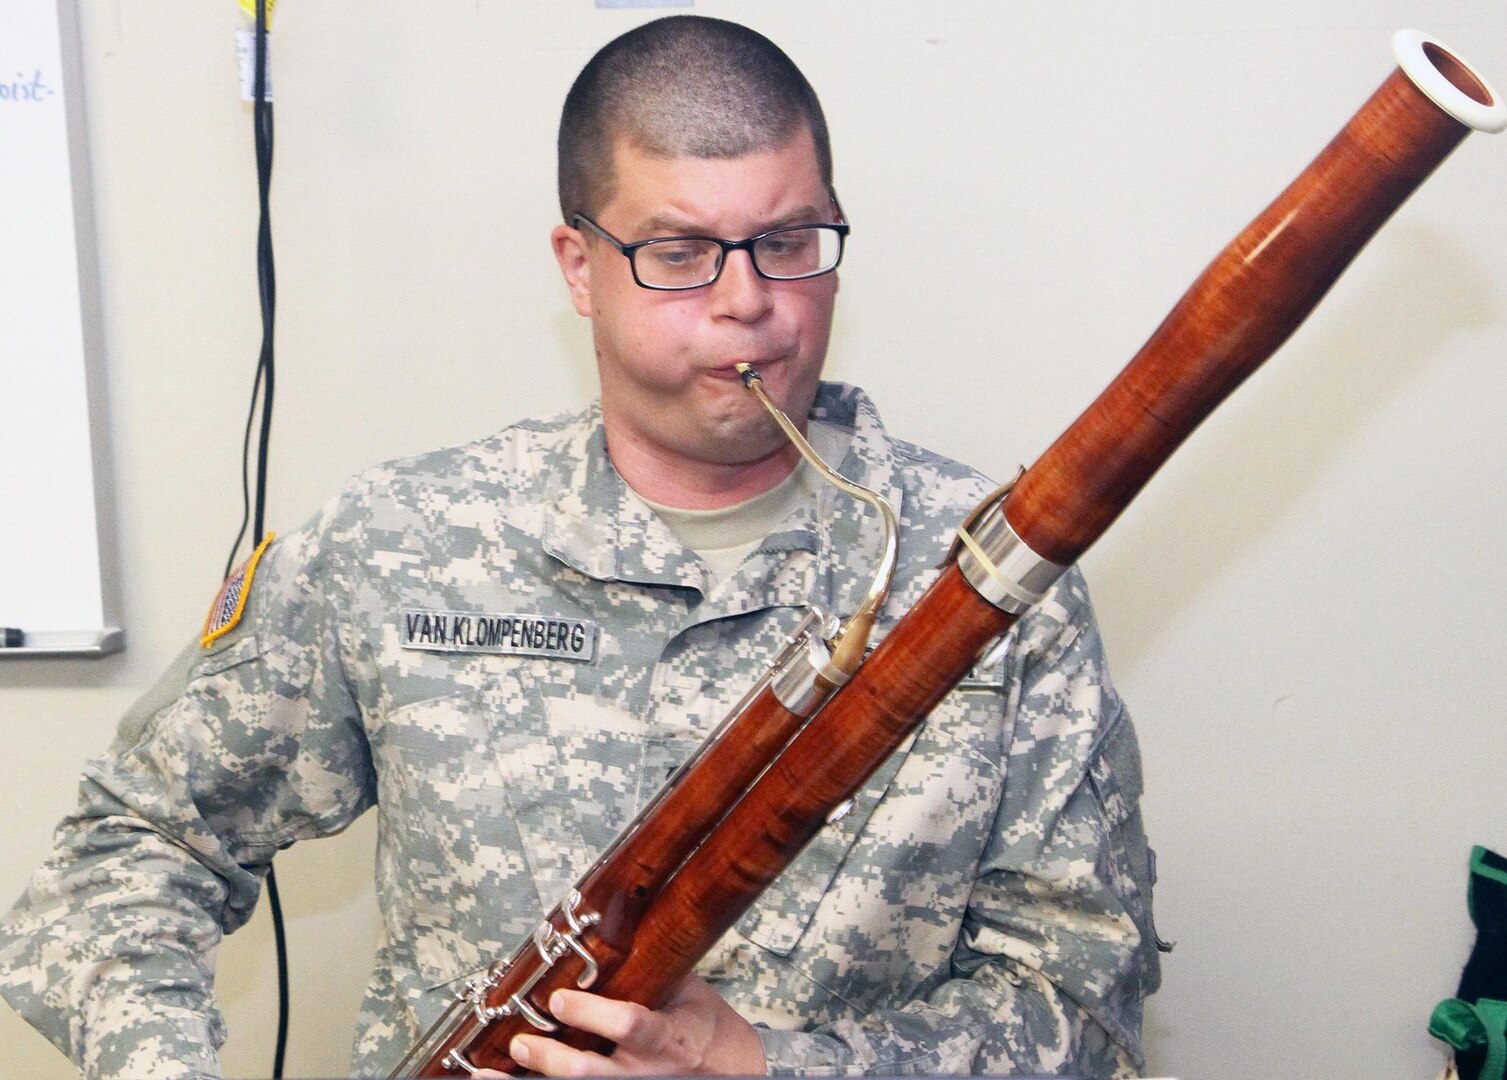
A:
[502,633]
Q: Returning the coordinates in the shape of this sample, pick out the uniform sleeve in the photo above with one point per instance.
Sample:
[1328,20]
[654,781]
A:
[1057,951]
[242,748]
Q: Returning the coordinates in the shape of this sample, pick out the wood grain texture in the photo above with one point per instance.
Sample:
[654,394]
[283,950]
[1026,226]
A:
[1240,310]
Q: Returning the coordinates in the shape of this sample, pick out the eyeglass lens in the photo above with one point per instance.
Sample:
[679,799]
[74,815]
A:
[789,253]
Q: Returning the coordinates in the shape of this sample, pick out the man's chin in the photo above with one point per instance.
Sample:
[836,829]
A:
[750,450]
[744,435]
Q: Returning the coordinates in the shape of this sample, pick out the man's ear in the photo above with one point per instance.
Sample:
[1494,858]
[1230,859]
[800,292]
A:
[570,253]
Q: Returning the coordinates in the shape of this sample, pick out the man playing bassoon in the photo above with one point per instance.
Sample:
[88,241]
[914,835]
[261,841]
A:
[505,648]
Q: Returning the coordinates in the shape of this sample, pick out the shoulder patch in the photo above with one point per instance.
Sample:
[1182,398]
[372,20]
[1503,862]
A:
[230,602]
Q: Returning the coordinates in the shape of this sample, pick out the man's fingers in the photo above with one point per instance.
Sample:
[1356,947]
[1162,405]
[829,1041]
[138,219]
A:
[695,1032]
[550,1058]
[632,1027]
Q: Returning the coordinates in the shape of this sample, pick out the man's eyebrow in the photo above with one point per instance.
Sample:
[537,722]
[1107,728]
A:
[670,226]
[805,215]
[665,225]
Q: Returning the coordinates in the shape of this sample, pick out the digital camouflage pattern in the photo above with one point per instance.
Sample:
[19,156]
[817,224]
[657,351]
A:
[984,907]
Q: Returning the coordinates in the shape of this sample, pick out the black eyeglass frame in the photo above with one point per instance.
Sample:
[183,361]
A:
[629,250]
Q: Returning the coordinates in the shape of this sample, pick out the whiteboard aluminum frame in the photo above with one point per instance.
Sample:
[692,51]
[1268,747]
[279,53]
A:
[89,642]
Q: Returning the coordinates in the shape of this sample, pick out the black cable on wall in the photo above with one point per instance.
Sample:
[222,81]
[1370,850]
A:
[261,394]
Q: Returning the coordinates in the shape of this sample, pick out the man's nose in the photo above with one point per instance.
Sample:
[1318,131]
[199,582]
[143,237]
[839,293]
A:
[739,292]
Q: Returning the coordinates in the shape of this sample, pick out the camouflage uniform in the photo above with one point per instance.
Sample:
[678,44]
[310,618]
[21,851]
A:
[985,906]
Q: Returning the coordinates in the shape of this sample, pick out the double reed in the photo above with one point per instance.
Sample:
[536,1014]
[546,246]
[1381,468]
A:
[694,872]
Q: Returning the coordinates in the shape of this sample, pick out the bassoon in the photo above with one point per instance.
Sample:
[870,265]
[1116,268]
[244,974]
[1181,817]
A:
[812,730]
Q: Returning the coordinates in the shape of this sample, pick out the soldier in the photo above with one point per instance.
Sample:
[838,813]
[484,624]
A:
[505,647]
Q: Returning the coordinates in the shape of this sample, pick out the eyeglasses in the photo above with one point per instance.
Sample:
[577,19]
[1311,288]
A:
[789,253]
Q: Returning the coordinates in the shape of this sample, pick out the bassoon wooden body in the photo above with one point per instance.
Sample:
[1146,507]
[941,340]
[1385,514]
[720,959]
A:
[763,786]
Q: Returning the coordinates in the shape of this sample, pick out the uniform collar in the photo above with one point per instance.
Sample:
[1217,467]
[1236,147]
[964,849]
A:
[600,528]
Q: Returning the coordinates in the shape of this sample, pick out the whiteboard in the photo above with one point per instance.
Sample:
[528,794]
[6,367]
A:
[51,416]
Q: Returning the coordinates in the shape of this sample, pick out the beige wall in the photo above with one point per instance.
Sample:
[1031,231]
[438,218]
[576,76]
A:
[1305,611]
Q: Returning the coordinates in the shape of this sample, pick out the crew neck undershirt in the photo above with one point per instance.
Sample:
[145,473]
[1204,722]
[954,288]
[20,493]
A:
[724,537]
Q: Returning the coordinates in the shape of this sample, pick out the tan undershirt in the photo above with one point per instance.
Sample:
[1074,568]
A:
[723,538]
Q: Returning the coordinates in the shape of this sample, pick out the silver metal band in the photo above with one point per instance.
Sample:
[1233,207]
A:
[793,680]
[999,565]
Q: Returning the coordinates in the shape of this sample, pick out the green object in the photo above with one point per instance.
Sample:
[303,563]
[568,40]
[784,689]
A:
[1472,1028]
[1474,1022]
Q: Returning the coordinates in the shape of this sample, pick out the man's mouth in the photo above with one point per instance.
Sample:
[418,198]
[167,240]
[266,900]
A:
[729,369]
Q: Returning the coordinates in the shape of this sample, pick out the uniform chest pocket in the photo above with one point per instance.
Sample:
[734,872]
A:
[495,796]
[449,864]
[569,763]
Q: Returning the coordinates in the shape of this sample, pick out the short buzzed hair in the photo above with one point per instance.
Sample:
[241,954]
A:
[683,86]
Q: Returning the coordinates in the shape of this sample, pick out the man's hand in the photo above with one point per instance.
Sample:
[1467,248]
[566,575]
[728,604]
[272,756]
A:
[696,1032]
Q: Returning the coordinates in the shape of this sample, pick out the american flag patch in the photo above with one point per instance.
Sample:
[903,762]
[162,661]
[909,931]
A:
[230,601]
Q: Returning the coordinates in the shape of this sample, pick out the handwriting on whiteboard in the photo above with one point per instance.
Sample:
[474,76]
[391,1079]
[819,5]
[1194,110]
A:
[24,89]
